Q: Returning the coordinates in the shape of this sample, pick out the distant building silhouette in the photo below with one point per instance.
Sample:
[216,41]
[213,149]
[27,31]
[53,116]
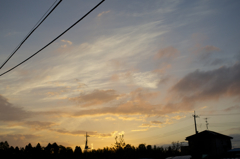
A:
[209,143]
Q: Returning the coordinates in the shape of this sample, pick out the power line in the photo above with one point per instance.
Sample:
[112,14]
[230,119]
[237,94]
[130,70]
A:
[33,29]
[53,39]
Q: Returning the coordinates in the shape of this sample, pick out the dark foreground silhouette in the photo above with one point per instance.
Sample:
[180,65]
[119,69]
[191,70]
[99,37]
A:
[118,151]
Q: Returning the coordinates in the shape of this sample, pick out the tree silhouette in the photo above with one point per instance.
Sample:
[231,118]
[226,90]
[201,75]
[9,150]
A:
[4,145]
[119,150]
[78,151]
[120,143]
[55,148]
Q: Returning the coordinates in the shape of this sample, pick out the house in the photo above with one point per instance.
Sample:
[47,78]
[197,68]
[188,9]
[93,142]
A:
[209,143]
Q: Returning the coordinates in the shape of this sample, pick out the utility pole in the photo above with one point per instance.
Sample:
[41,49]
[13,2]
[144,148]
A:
[206,123]
[195,116]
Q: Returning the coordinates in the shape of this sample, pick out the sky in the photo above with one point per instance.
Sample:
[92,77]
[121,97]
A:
[138,68]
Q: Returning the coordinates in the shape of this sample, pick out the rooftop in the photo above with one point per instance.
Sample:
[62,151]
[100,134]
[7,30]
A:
[207,134]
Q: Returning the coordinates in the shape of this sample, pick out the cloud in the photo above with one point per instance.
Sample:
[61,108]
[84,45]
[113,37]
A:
[145,125]
[156,122]
[168,52]
[207,51]
[114,77]
[163,69]
[96,97]
[121,133]
[141,94]
[203,107]
[206,85]
[39,125]
[18,139]
[206,54]
[136,102]
[232,108]
[66,46]
[210,48]
[164,80]
[140,129]
[11,34]
[110,118]
[104,12]
[8,112]
[83,133]
[116,64]
[67,41]
[178,117]
[130,118]
[224,81]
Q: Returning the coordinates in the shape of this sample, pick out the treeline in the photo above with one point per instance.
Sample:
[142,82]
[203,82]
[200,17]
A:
[118,151]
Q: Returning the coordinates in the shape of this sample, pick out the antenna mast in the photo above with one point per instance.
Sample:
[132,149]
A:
[206,123]
[86,146]
[195,116]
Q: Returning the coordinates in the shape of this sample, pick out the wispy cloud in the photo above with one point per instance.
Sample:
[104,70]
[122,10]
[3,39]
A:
[83,133]
[67,41]
[235,107]
[210,48]
[39,125]
[140,129]
[97,97]
[168,52]
[104,12]
[134,103]
[110,118]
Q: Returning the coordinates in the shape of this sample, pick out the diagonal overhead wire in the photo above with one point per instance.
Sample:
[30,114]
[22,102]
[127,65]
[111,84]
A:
[33,29]
[53,39]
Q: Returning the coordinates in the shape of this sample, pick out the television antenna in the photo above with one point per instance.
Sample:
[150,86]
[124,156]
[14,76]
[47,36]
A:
[86,145]
[207,123]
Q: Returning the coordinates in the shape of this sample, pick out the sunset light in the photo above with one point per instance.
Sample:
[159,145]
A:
[131,68]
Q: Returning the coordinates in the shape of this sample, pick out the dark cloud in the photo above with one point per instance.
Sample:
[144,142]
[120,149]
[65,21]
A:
[224,81]
[205,85]
[8,112]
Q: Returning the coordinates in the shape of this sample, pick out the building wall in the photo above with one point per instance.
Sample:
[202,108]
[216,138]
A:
[210,146]
[223,145]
